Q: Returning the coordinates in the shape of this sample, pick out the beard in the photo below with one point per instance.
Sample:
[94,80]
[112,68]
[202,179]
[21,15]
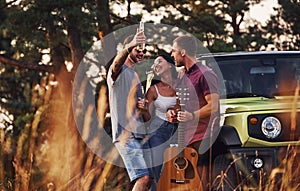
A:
[135,58]
[179,63]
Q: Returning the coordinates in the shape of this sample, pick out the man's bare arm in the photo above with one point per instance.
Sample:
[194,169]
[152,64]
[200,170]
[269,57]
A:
[118,62]
[212,106]
[120,59]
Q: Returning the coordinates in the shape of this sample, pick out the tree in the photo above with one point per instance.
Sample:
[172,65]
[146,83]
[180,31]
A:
[283,28]
[233,12]
[218,24]
[39,39]
[196,17]
[61,31]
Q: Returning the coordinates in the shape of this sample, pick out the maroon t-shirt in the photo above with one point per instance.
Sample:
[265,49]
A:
[200,81]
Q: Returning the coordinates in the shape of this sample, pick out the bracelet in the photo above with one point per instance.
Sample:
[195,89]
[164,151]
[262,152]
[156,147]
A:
[169,108]
[193,114]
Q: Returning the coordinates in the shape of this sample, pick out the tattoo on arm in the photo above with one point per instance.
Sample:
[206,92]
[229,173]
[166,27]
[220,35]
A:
[119,61]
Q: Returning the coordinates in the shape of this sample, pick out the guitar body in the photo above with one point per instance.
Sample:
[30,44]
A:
[180,173]
[180,167]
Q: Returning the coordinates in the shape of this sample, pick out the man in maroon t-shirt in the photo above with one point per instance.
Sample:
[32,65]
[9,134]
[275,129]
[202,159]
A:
[202,108]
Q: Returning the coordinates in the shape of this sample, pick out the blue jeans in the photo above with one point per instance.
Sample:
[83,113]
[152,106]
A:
[160,140]
[136,156]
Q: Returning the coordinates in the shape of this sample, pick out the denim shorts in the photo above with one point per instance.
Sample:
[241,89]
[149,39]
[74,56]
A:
[136,156]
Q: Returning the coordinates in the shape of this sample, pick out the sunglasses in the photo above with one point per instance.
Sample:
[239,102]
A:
[143,51]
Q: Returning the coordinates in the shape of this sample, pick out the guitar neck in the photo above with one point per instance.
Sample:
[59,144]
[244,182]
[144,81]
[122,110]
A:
[183,96]
[181,129]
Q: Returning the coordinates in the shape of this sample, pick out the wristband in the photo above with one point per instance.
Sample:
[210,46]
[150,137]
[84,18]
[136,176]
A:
[169,108]
[193,114]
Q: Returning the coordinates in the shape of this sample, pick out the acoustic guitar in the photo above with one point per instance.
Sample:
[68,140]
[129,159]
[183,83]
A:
[180,172]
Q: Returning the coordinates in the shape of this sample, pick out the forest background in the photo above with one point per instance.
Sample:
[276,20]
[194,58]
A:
[42,43]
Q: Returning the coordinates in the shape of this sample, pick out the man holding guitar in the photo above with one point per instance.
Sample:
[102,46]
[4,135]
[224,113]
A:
[202,107]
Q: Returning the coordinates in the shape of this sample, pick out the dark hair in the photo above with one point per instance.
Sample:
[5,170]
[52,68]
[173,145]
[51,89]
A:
[170,60]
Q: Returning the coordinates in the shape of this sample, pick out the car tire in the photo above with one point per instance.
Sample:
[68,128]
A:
[224,173]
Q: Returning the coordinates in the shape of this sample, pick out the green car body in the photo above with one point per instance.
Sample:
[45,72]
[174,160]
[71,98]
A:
[260,115]
[239,109]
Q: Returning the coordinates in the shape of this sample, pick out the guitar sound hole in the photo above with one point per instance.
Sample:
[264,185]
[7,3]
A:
[181,163]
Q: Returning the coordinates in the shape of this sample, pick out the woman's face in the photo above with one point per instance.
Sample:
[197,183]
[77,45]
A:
[160,66]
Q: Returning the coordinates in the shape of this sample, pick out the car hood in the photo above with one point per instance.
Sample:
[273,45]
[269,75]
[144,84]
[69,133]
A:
[259,104]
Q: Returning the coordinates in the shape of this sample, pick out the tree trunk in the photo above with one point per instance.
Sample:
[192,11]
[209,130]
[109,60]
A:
[67,149]
[103,17]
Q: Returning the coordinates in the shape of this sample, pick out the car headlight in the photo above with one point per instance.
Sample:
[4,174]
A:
[271,127]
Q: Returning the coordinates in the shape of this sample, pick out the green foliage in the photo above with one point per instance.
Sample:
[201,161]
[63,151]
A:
[284,27]
[15,90]
[31,29]
[25,32]
[215,23]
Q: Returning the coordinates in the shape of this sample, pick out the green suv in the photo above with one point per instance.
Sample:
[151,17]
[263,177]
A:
[260,113]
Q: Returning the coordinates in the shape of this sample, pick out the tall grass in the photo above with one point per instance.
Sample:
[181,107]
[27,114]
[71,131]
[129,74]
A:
[284,177]
[49,154]
[287,175]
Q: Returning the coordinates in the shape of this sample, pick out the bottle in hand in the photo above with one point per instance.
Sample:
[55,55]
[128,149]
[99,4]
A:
[141,47]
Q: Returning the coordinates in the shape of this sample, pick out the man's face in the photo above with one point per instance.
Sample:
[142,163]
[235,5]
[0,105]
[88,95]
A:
[136,55]
[176,54]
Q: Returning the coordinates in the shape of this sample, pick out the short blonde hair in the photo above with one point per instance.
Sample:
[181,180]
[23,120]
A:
[188,43]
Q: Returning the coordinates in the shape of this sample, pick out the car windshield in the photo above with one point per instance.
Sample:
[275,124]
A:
[260,77]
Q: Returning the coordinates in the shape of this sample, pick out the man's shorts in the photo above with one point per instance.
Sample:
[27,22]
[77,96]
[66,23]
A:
[136,156]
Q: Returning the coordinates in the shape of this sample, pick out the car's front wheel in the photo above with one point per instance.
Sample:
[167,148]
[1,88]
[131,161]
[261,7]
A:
[224,173]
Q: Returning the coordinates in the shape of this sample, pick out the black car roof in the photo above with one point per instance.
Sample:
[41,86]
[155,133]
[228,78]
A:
[257,54]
